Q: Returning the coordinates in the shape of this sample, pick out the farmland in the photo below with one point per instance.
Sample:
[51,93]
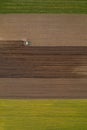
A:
[45,29]
[41,62]
[43,6]
[43,114]
[69,114]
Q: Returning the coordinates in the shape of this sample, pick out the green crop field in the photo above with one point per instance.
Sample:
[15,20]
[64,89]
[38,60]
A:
[43,6]
[43,114]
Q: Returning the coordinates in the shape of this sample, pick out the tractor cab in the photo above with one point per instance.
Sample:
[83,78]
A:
[27,43]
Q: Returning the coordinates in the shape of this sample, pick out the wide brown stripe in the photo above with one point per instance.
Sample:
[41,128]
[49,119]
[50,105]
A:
[28,88]
[20,61]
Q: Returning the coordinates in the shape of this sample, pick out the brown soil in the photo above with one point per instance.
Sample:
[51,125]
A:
[45,29]
[20,61]
[30,88]
[63,71]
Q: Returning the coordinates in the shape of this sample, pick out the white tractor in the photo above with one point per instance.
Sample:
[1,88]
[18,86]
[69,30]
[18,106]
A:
[27,43]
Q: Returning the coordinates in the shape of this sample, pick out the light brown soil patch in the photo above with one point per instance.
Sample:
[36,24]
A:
[45,29]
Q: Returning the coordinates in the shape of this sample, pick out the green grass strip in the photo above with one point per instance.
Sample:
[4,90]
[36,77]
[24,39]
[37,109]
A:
[43,6]
[43,114]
